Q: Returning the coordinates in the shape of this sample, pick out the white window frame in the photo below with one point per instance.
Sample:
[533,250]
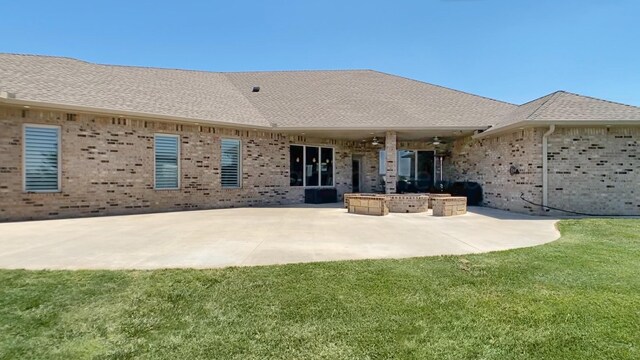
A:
[24,157]
[304,166]
[382,170]
[178,157]
[239,163]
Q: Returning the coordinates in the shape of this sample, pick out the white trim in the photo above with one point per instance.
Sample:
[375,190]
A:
[153,116]
[381,168]
[304,167]
[128,113]
[360,159]
[495,131]
[545,166]
[240,173]
[24,157]
[380,129]
[178,158]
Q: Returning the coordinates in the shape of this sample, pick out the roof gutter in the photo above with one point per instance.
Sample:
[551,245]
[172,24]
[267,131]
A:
[545,166]
[495,131]
[4,99]
[382,128]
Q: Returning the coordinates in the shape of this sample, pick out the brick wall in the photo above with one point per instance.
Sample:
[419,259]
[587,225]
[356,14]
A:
[595,170]
[591,170]
[489,162]
[107,167]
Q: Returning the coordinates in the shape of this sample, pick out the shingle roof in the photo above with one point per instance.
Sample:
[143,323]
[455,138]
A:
[566,108]
[197,95]
[349,99]
[342,99]
[362,99]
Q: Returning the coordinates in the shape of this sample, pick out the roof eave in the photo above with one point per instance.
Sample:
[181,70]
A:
[126,113]
[383,128]
[542,123]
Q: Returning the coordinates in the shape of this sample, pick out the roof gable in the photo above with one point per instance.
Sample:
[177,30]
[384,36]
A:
[566,108]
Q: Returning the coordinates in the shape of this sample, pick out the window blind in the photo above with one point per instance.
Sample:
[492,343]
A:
[41,165]
[166,155]
[230,163]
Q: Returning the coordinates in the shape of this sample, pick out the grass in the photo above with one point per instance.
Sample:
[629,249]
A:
[578,297]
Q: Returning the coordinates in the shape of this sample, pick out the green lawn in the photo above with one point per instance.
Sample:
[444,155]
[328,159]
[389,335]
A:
[578,297]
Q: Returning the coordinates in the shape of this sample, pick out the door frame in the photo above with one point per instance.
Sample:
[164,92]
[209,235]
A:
[360,159]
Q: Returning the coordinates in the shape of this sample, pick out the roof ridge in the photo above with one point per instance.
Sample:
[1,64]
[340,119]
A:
[179,69]
[45,56]
[549,101]
[291,71]
[605,100]
[444,87]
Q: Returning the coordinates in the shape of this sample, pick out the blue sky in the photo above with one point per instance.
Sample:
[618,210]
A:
[512,50]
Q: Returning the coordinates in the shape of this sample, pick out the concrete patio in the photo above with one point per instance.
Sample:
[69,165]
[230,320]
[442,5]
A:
[260,236]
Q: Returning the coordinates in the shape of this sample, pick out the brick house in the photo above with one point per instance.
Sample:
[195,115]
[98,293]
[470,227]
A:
[82,139]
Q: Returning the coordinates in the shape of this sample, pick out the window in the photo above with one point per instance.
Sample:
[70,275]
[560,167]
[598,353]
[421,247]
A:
[230,163]
[296,164]
[167,166]
[406,165]
[415,168]
[41,158]
[382,162]
[425,169]
[311,166]
[326,167]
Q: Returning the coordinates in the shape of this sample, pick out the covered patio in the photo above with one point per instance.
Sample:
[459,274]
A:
[381,161]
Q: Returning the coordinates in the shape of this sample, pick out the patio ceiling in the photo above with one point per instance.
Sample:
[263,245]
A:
[368,134]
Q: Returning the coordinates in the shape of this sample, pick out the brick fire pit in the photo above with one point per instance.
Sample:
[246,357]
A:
[449,206]
[436,195]
[368,205]
[396,203]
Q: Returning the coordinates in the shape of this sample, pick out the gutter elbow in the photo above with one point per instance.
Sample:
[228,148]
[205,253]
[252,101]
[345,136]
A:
[552,128]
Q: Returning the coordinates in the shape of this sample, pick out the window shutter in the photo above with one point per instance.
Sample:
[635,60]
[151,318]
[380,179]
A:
[230,163]
[167,169]
[41,158]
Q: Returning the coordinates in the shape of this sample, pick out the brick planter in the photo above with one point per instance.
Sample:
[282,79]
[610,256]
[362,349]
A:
[449,206]
[397,203]
[347,196]
[368,205]
[434,196]
[408,203]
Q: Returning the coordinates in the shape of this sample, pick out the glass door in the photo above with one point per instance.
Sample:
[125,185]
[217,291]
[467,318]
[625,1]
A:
[415,171]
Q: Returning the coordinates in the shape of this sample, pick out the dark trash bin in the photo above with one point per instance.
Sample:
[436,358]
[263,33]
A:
[469,189]
[320,196]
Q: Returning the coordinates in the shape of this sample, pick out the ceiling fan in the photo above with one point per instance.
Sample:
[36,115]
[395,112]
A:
[376,142]
[436,141]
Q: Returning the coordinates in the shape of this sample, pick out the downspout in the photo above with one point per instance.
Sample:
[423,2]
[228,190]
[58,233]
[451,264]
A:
[545,166]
